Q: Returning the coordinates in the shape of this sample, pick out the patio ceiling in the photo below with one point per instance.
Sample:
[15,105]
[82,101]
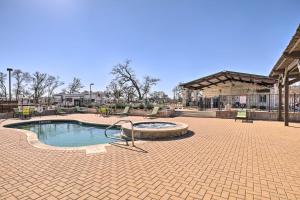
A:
[228,76]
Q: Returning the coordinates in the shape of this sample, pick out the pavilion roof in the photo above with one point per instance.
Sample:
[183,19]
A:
[289,55]
[228,76]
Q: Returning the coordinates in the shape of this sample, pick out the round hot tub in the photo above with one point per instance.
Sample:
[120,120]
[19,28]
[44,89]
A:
[155,130]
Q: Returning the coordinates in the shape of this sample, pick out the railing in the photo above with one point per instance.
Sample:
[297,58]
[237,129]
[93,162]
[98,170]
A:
[116,138]
[264,101]
[7,106]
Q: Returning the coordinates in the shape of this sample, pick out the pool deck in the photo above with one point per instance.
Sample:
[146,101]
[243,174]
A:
[222,159]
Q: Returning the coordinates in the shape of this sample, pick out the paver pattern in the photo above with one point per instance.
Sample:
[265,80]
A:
[222,159]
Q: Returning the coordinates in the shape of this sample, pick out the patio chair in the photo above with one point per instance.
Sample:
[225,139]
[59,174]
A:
[40,110]
[32,110]
[241,114]
[154,112]
[25,112]
[80,110]
[125,111]
[17,112]
[103,111]
[60,111]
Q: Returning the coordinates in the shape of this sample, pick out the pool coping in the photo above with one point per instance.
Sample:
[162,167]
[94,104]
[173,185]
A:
[33,140]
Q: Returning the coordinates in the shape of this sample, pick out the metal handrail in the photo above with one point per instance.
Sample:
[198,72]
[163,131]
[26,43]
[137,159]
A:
[123,120]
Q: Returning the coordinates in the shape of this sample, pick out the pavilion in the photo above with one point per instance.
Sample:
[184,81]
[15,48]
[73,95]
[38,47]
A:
[228,87]
[243,86]
[287,72]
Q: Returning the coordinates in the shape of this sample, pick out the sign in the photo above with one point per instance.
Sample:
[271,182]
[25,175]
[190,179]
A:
[243,99]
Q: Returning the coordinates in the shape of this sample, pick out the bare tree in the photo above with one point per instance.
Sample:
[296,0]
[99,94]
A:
[128,92]
[39,85]
[159,96]
[125,75]
[52,84]
[21,78]
[177,91]
[2,84]
[74,86]
[115,90]
[147,84]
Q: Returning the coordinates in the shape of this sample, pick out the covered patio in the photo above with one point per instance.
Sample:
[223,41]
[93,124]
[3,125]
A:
[228,89]
[287,72]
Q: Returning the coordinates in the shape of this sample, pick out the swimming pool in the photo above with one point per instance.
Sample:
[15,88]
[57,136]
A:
[67,133]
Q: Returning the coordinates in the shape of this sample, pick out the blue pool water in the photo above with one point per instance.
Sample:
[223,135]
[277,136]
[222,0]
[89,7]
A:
[154,125]
[68,134]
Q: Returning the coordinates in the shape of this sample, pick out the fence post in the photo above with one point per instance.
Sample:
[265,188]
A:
[269,102]
[294,103]
[219,102]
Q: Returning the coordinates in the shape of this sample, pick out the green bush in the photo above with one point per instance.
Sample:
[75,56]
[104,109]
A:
[149,106]
[141,106]
[135,106]
[120,105]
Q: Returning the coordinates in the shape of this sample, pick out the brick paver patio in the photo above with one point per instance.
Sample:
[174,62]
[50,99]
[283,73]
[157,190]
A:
[221,160]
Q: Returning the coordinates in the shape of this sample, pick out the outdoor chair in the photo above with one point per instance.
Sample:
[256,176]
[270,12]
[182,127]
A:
[17,112]
[103,111]
[154,112]
[25,112]
[60,111]
[125,111]
[241,114]
[80,110]
[32,110]
[40,110]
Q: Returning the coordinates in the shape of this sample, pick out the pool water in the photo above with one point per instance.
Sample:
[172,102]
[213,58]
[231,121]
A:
[154,125]
[69,134]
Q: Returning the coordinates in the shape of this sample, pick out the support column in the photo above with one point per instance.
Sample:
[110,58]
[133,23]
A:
[279,100]
[286,99]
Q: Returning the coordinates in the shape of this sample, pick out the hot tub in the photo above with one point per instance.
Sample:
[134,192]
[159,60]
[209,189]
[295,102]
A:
[155,129]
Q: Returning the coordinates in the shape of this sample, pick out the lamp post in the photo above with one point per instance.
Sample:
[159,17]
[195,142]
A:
[91,92]
[9,80]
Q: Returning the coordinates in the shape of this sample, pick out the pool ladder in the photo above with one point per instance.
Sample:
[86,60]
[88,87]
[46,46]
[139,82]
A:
[117,138]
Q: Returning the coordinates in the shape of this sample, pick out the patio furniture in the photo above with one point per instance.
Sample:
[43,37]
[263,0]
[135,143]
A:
[80,110]
[60,111]
[17,112]
[241,114]
[125,111]
[103,111]
[25,112]
[40,110]
[154,112]
[32,110]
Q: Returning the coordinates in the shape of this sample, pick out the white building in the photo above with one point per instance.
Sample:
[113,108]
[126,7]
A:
[79,99]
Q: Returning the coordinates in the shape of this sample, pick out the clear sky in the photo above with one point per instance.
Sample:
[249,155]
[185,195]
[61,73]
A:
[175,40]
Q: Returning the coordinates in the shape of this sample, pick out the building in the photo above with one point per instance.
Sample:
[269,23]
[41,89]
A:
[79,99]
[68,100]
[228,89]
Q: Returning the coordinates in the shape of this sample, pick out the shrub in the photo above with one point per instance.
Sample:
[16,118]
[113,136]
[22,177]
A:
[141,106]
[120,105]
[149,106]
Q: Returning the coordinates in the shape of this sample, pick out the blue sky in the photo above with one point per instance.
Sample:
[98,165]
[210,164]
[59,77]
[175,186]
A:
[176,41]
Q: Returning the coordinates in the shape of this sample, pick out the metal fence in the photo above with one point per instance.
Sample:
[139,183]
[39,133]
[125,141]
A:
[7,106]
[264,102]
